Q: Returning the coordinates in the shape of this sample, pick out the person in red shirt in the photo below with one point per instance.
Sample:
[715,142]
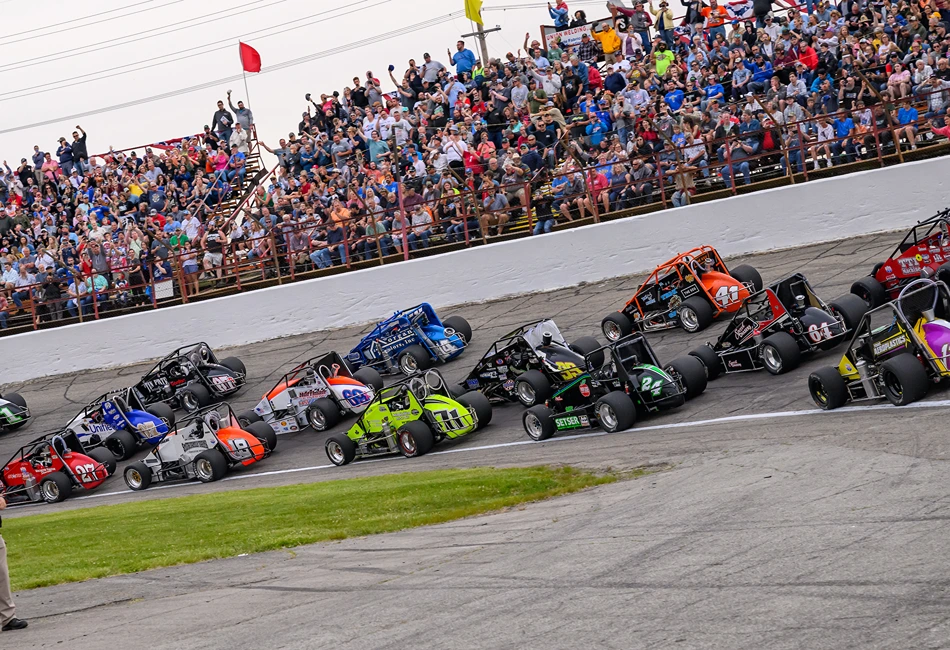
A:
[599,185]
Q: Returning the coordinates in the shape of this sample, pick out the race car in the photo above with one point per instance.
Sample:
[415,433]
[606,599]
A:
[14,413]
[52,466]
[899,350]
[529,363]
[688,291]
[204,445]
[625,380]
[410,417]
[923,253]
[411,340]
[191,378]
[119,421]
[317,392]
[775,326]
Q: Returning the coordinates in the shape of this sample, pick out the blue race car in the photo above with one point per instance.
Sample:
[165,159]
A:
[120,422]
[411,340]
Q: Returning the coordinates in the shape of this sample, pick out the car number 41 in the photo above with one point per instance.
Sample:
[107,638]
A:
[726,295]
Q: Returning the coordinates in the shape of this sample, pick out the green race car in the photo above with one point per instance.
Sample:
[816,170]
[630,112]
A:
[410,417]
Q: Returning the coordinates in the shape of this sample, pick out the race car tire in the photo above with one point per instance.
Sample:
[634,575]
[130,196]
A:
[104,456]
[616,325]
[904,379]
[695,314]
[532,387]
[413,359]
[693,373]
[234,364]
[747,274]
[263,432]
[615,411]
[477,402]
[55,487]
[194,397]
[870,290]
[246,418]
[587,344]
[780,353]
[17,399]
[163,411]
[538,422]
[943,274]
[711,361]
[461,326]
[122,444]
[210,465]
[340,449]
[369,377]
[852,309]
[323,414]
[828,388]
[415,438]
[137,476]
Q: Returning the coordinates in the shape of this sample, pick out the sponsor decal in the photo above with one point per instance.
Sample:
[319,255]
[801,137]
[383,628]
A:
[500,361]
[502,370]
[743,330]
[490,374]
[734,364]
[938,258]
[890,344]
[92,427]
[647,299]
[223,382]
[689,278]
[585,421]
[887,269]
[509,385]
[195,444]
[473,383]
[568,422]
[919,257]
[158,383]
[909,266]
[668,294]
[690,291]
[396,339]
[414,412]
[585,390]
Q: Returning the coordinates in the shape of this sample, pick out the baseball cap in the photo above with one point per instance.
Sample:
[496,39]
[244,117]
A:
[152,212]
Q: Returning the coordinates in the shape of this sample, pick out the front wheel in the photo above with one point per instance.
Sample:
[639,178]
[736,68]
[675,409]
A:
[871,291]
[692,372]
[369,377]
[122,444]
[163,411]
[340,449]
[55,487]
[263,432]
[532,387]
[710,360]
[461,327]
[415,439]
[828,388]
[538,422]
[615,411]
[194,397]
[246,418]
[588,345]
[234,365]
[479,405]
[138,476]
[616,326]
[747,275]
[210,465]
[413,359]
[695,314]
[780,353]
[323,414]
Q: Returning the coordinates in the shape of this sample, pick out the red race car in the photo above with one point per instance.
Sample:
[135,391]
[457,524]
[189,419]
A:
[51,467]
[688,291]
[924,253]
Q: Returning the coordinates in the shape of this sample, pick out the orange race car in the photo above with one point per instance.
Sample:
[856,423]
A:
[688,291]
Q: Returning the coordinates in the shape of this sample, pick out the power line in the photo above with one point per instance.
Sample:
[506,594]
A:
[279,66]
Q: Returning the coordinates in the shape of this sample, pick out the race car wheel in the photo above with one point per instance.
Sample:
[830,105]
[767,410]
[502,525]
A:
[323,414]
[538,422]
[616,326]
[413,359]
[104,456]
[234,364]
[851,308]
[246,418]
[695,314]
[194,397]
[905,380]
[369,377]
[340,449]
[163,411]
[780,353]
[137,476]
[693,373]
[414,438]
[122,444]
[943,274]
[55,487]
[17,399]
[711,361]
[532,387]
[461,326]
[872,291]
[587,344]
[263,432]
[747,275]
[615,411]
[479,404]
[210,465]
[828,388]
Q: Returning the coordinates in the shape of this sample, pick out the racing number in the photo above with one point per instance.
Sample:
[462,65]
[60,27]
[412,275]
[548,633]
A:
[239,446]
[568,370]
[10,417]
[651,385]
[355,397]
[449,420]
[944,353]
[86,473]
[818,333]
[726,295]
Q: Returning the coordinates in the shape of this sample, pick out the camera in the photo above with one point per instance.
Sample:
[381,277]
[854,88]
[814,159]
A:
[307,97]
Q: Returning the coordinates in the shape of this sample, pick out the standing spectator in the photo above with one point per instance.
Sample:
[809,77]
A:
[463,59]
[559,14]
[239,138]
[79,151]
[716,17]
[64,155]
[609,41]
[664,21]
[222,122]
[242,116]
[8,619]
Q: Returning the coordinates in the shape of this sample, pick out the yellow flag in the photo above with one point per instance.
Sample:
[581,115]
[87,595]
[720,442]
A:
[473,11]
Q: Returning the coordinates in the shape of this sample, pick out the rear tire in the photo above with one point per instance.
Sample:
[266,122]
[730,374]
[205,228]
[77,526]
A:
[137,476]
[163,411]
[414,439]
[747,274]
[477,402]
[56,487]
[943,274]
[532,387]
[615,411]
[693,373]
[210,465]
[263,432]
[461,326]
[870,290]
[246,418]
[695,314]
[369,377]
[235,364]
[323,414]
[711,361]
[828,388]
[194,397]
[122,444]
[905,380]
[340,449]
[780,353]
[851,307]
[616,326]
[538,422]
[104,456]
[413,359]
[587,344]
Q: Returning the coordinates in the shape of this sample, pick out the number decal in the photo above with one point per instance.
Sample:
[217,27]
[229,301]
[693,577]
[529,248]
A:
[240,447]
[817,333]
[726,295]
[86,473]
[651,385]
[568,370]
[356,396]
[944,353]
[10,417]
[449,420]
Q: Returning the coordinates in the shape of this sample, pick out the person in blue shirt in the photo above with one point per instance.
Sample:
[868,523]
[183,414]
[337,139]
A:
[712,91]
[761,77]
[674,97]
[844,139]
[907,119]
[463,59]
[559,15]
[595,130]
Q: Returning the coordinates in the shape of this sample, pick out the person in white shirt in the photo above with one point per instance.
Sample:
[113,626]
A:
[454,149]
[190,224]
[421,227]
[239,137]
[401,127]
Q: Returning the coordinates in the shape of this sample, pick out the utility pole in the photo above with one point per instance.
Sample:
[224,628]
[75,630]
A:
[480,33]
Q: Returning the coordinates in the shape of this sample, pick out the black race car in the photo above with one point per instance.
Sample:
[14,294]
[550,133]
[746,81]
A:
[14,413]
[529,364]
[625,380]
[191,378]
[775,326]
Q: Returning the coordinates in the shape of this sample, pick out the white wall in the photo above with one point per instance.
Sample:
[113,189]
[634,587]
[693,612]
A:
[814,212]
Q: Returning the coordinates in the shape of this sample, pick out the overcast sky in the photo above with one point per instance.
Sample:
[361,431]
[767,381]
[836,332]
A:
[44,47]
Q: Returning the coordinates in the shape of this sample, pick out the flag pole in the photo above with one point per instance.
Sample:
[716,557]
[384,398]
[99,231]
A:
[246,92]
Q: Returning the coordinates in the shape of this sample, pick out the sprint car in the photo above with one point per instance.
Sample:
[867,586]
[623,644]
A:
[52,466]
[191,378]
[775,326]
[411,340]
[14,413]
[317,392]
[204,445]
[625,380]
[923,253]
[898,351]
[688,291]
[529,363]
[119,421]
[410,417]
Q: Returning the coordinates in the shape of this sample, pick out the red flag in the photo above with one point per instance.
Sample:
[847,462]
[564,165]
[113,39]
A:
[250,58]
